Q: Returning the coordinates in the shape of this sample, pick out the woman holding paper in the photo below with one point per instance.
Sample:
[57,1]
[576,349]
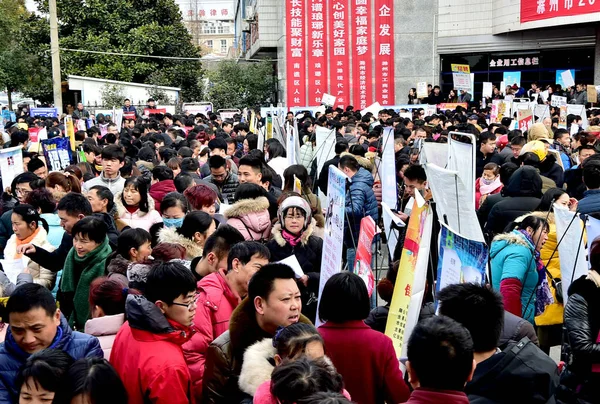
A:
[26,227]
[293,241]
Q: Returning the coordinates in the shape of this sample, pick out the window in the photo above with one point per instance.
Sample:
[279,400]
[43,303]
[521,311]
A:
[209,43]
[220,29]
[223,46]
[209,29]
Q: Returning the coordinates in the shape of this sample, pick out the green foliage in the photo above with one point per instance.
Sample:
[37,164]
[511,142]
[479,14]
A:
[113,95]
[241,85]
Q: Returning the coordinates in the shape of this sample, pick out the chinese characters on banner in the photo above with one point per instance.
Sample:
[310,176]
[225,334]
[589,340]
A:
[296,53]
[524,119]
[364,253]
[317,68]
[533,10]
[384,48]
[361,54]
[57,152]
[338,48]
[514,61]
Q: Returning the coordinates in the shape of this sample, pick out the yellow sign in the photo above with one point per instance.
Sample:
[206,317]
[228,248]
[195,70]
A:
[70,131]
[461,69]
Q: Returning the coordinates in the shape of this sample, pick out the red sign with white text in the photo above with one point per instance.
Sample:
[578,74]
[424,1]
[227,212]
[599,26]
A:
[317,43]
[533,10]
[384,52]
[338,47]
[364,253]
[362,81]
[296,53]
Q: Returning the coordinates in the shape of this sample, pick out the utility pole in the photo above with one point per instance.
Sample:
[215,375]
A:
[54,51]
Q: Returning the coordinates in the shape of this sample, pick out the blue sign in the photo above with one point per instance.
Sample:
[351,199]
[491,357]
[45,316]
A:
[6,115]
[511,78]
[44,112]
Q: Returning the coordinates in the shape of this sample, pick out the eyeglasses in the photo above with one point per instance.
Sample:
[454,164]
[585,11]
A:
[23,192]
[193,303]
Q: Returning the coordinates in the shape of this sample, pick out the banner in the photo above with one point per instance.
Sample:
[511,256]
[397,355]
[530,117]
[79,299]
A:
[562,117]
[364,253]
[44,112]
[339,57]
[512,78]
[422,89]
[452,105]
[384,51]
[461,158]
[571,250]
[333,239]
[361,54]
[391,226]
[592,93]
[494,111]
[558,101]
[524,119]
[461,260]
[70,131]
[410,283]
[57,153]
[290,145]
[155,111]
[462,81]
[533,10]
[387,174]
[487,89]
[460,68]
[316,13]
[11,164]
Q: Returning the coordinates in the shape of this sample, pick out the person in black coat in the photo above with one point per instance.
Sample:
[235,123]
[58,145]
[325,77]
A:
[580,382]
[293,236]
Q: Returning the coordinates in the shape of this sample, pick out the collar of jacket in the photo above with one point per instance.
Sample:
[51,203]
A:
[170,235]
[121,209]
[591,192]
[246,206]
[346,324]
[278,237]
[63,333]
[110,180]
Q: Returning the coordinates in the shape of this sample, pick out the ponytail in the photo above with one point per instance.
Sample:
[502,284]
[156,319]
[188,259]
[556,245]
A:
[30,215]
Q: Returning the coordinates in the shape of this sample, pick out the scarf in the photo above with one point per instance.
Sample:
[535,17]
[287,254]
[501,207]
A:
[290,238]
[543,295]
[488,189]
[91,267]
[25,241]
[594,277]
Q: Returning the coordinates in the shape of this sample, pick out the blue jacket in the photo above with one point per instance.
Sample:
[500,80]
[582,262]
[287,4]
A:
[590,202]
[360,202]
[76,344]
[512,257]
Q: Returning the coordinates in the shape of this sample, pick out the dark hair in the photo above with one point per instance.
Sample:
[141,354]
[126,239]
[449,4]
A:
[185,152]
[182,181]
[45,368]
[200,195]
[506,171]
[518,141]
[104,193]
[34,164]
[109,295]
[244,251]
[294,380]
[94,378]
[349,290]
[169,280]
[91,226]
[595,255]
[252,140]
[276,149]
[533,221]
[162,173]
[221,240]
[141,185]
[478,308]
[173,199]
[217,143]
[248,191]
[30,215]
[262,282]
[23,178]
[252,161]
[591,173]
[324,397]
[548,199]
[291,341]
[357,150]
[42,199]
[350,162]
[341,147]
[446,343]
[131,238]
[495,168]
[75,204]
[415,173]
[31,296]
[300,172]
[217,161]
[189,164]
[168,252]
[195,222]
[113,152]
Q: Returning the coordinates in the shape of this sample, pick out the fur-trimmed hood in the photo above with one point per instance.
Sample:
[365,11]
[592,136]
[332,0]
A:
[278,237]
[503,240]
[362,161]
[170,235]
[549,217]
[121,210]
[245,207]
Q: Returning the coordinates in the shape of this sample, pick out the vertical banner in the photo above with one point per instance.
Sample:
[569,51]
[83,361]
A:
[461,260]
[364,253]
[333,240]
[290,143]
[524,119]
[410,283]
[338,48]
[571,250]
[57,153]
[317,40]
[361,54]
[11,164]
[384,52]
[387,174]
[70,132]
[562,117]
[296,53]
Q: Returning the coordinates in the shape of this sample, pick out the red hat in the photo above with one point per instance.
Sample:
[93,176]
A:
[502,141]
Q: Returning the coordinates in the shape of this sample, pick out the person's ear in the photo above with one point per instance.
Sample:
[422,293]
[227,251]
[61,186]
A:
[162,306]
[278,360]
[197,237]
[121,164]
[211,258]
[80,216]
[56,317]
[259,305]
[235,265]
[413,379]
[133,253]
[472,372]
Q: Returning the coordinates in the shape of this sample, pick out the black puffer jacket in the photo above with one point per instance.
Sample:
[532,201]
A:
[550,169]
[308,253]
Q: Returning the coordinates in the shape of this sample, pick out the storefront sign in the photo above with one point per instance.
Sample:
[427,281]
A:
[508,61]
[384,51]
[361,54]
[317,68]
[533,10]
[296,53]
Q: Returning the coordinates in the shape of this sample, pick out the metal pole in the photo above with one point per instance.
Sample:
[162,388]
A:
[54,51]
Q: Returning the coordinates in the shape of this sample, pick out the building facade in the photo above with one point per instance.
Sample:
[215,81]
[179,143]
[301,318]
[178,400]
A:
[211,24]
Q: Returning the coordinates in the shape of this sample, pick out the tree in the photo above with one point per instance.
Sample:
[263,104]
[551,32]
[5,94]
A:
[113,95]
[141,27]
[241,85]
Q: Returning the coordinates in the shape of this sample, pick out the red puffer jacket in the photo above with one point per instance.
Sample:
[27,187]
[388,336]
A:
[159,190]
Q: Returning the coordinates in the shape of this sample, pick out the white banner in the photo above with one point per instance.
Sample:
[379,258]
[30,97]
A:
[387,171]
[462,81]
[461,158]
[578,110]
[290,146]
[11,164]
[333,240]
[434,153]
[422,89]
[570,248]
[487,89]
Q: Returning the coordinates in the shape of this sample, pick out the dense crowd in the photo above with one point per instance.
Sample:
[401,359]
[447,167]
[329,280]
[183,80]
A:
[150,268]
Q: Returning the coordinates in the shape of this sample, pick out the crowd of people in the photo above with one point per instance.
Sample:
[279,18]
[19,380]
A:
[150,270]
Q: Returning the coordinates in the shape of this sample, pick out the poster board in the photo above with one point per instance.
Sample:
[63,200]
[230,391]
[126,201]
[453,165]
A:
[11,164]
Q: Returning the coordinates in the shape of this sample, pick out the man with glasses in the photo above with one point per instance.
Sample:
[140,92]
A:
[147,351]
[226,181]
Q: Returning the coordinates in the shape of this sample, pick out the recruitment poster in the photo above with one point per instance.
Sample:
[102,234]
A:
[11,164]
[333,239]
[410,283]
[57,153]
[364,253]
[461,260]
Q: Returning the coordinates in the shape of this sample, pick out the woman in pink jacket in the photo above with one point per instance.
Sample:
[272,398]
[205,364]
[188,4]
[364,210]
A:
[135,206]
[250,213]
[107,307]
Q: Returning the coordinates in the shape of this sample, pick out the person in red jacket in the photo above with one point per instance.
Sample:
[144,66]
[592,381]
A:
[364,357]
[218,295]
[147,352]
[162,184]
[440,361]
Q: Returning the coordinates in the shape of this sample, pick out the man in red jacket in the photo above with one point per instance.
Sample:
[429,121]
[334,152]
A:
[440,361]
[218,295]
[147,351]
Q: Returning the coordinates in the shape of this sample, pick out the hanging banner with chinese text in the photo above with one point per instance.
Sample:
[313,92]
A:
[338,50]
[364,253]
[295,52]
[533,10]
[57,152]
[361,54]
[384,49]
[317,68]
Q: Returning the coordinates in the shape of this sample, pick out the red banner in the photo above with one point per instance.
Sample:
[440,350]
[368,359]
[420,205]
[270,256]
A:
[296,53]
[364,253]
[384,52]
[533,10]
[362,54]
[338,48]
[317,43]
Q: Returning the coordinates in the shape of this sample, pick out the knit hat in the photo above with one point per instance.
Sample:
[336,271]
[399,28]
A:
[536,147]
[538,132]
